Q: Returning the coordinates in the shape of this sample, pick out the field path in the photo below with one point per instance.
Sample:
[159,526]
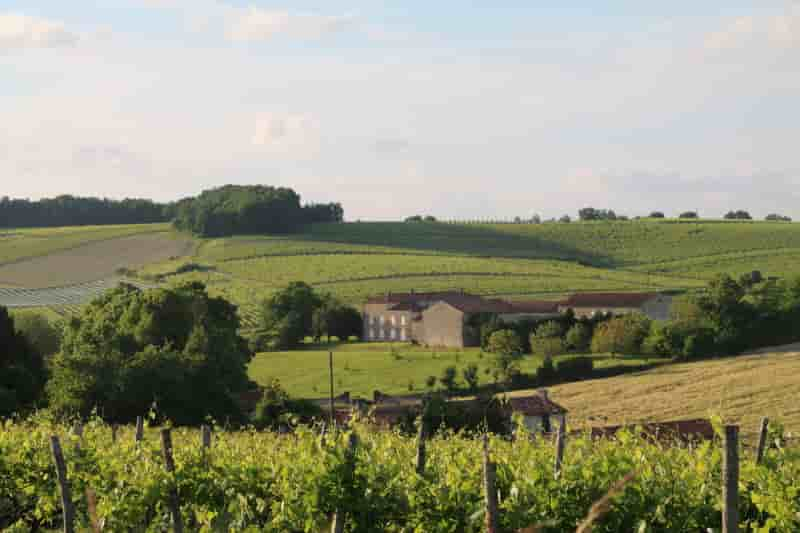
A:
[93,261]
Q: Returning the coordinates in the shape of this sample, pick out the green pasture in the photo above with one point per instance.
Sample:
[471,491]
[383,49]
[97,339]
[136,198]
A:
[392,368]
[18,244]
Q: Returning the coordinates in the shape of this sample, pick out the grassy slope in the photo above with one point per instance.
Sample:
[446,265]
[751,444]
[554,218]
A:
[513,260]
[740,389]
[363,368]
[18,244]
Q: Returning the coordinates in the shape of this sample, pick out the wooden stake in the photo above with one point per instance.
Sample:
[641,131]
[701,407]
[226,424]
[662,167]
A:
[421,451]
[762,440]
[113,433]
[139,429]
[560,443]
[205,436]
[63,482]
[490,490]
[730,481]
[340,517]
[169,463]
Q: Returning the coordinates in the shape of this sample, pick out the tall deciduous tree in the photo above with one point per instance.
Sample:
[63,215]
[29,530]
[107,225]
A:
[177,349]
[22,371]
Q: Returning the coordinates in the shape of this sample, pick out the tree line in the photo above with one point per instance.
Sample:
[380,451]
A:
[75,211]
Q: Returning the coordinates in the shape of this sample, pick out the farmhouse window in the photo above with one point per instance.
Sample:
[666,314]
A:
[394,320]
[374,334]
[382,319]
[403,320]
[402,335]
[393,333]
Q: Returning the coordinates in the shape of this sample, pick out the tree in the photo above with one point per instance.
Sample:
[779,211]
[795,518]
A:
[590,213]
[471,377]
[176,348]
[738,215]
[276,409]
[415,218]
[621,335]
[689,214]
[656,214]
[779,218]
[430,218]
[448,378]
[546,340]
[288,316]
[430,382]
[22,369]
[507,349]
[44,336]
[579,337]
[565,219]
[536,219]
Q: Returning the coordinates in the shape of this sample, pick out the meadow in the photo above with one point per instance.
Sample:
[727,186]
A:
[392,368]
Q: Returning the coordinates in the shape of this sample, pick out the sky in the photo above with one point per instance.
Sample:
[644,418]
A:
[463,110]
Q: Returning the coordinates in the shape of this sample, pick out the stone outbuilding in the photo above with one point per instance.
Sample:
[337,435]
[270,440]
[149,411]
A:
[656,306]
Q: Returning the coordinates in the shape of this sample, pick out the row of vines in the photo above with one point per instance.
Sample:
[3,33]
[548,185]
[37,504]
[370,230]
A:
[254,481]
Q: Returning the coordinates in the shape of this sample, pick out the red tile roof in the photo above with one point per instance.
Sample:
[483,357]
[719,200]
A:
[472,304]
[414,297]
[535,405]
[536,306]
[684,430]
[608,299]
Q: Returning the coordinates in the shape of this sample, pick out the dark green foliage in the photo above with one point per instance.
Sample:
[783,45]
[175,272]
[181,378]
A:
[546,373]
[298,311]
[254,209]
[177,350]
[574,368]
[656,214]
[448,378]
[22,370]
[44,336]
[430,382]
[590,213]
[689,214]
[471,377]
[420,218]
[505,342]
[579,337]
[74,211]
[276,409]
[738,215]
[621,335]
[779,218]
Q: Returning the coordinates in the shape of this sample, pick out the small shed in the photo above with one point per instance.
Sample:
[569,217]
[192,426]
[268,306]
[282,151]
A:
[539,413]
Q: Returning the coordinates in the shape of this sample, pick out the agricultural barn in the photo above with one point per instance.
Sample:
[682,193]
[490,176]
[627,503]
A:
[654,305]
[440,318]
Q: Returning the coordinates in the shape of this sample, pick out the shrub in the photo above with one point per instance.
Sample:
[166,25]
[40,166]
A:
[448,378]
[430,382]
[689,214]
[578,337]
[546,373]
[656,214]
[575,368]
[547,339]
[470,374]
[505,342]
[276,408]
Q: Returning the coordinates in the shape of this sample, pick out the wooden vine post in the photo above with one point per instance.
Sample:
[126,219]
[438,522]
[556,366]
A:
[422,453]
[762,440]
[490,489]
[63,483]
[139,429]
[730,481]
[340,517]
[169,464]
[560,443]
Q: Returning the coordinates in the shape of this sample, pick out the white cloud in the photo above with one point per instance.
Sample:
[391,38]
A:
[22,31]
[255,24]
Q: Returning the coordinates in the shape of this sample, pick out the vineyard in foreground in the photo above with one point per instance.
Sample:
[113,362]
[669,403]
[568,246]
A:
[251,481]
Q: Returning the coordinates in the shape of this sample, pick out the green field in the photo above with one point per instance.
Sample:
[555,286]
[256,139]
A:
[390,368]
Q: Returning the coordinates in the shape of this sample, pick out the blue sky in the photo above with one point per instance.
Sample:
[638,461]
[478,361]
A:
[460,109]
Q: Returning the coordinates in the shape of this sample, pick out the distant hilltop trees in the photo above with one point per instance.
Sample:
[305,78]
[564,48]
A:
[252,209]
[76,211]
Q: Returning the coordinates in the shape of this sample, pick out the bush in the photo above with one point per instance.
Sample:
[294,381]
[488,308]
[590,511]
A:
[621,335]
[575,368]
[505,342]
[546,373]
[579,337]
[656,214]
[689,214]
[276,409]
[448,379]
[471,378]
[547,339]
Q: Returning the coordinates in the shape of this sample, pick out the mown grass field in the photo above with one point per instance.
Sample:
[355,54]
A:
[741,389]
[392,368]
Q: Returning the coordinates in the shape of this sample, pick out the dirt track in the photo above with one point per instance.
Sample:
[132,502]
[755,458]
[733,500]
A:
[93,261]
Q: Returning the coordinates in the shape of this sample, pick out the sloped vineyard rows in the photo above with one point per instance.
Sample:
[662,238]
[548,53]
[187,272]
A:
[251,481]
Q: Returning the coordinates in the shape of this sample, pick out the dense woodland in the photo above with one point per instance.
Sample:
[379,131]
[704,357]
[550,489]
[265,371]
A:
[74,211]
[235,209]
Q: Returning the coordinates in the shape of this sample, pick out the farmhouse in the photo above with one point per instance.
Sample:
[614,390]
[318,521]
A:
[449,319]
[441,318]
[654,305]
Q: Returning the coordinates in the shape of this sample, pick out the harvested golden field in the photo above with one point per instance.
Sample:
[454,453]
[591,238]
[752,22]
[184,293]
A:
[95,260]
[740,389]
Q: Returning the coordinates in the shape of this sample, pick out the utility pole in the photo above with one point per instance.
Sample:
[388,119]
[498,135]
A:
[330,365]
